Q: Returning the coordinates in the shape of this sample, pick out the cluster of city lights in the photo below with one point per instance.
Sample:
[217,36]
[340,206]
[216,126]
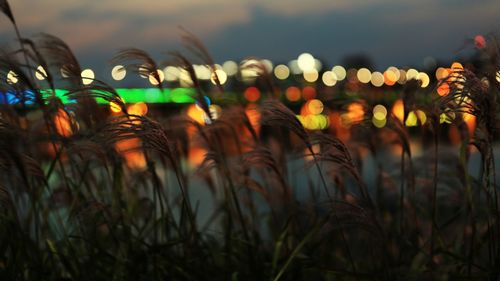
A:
[305,67]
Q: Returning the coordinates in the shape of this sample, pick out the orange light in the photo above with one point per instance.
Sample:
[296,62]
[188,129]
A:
[252,94]
[130,151]
[139,108]
[293,93]
[62,123]
[443,89]
[309,93]
[398,110]
[196,113]
[390,78]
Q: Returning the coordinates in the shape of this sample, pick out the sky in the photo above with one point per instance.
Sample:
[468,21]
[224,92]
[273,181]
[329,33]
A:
[391,32]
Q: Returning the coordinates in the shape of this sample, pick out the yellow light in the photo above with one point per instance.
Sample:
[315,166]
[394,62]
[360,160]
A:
[306,62]
[87,76]
[315,106]
[411,119]
[498,76]
[118,72]
[379,123]
[364,75]
[379,112]
[171,73]
[446,117]
[230,67]
[329,78]
[340,72]
[421,116]
[411,74]
[154,80]
[221,75]
[311,75]
[40,73]
[12,77]
[114,107]
[281,72]
[424,79]
[377,79]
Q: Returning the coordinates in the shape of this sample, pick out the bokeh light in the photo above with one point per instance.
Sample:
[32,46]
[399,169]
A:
[308,93]
[377,79]
[340,72]
[230,67]
[221,75]
[306,62]
[364,75]
[311,75]
[443,89]
[379,112]
[293,93]
[12,77]
[154,80]
[118,72]
[411,74]
[479,41]
[139,108]
[171,73]
[329,78]
[252,94]
[424,79]
[315,106]
[40,73]
[87,76]
[398,110]
[281,72]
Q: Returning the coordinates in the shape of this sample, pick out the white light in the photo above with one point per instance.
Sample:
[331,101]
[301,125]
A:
[118,72]
[221,75]
[40,73]
[154,80]
[230,67]
[87,76]
[281,72]
[12,77]
[306,62]
[171,73]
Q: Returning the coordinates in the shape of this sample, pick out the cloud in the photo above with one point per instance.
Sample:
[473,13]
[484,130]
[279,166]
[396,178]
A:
[389,30]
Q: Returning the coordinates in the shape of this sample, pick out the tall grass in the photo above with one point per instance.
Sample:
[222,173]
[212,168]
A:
[74,207]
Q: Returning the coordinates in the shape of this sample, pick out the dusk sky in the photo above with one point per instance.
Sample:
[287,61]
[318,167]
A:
[391,32]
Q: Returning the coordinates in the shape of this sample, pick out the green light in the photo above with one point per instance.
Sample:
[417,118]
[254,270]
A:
[135,95]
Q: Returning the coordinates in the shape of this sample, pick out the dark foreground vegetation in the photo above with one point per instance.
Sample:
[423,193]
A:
[90,195]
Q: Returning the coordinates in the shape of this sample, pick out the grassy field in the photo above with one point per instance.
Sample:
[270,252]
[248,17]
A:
[97,189]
